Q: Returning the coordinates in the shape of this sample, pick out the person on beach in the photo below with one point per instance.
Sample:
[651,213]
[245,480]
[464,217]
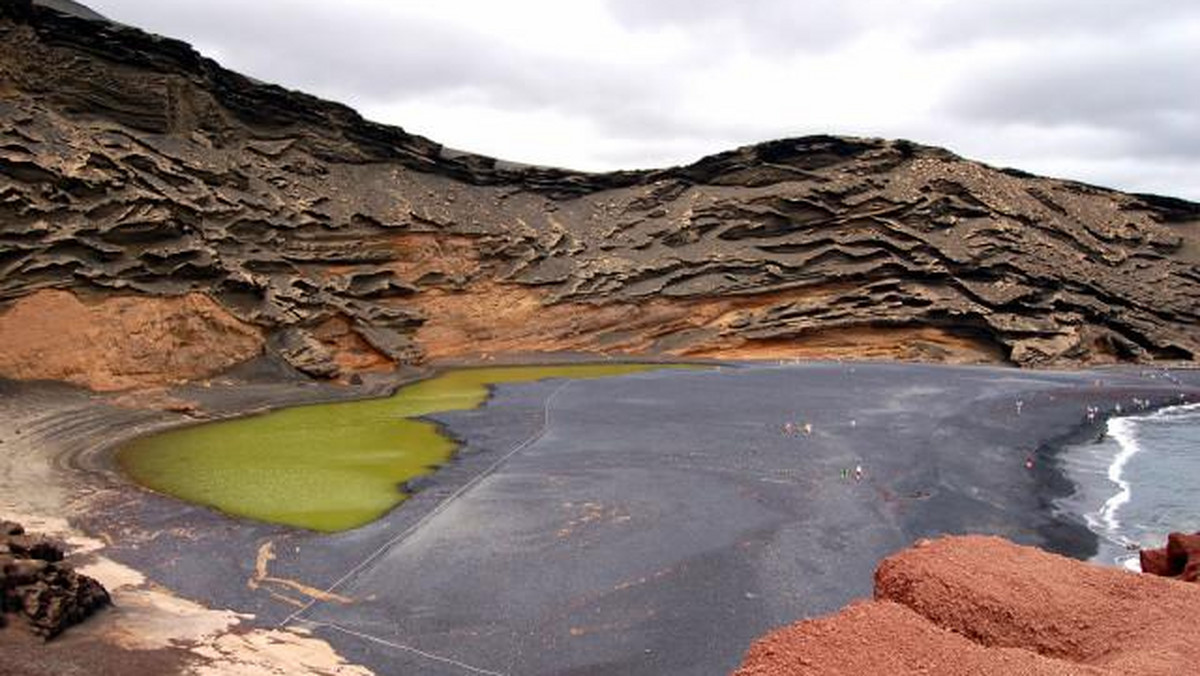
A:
[858,472]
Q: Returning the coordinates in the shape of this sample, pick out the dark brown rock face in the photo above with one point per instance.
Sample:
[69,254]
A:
[1180,559]
[38,588]
[131,166]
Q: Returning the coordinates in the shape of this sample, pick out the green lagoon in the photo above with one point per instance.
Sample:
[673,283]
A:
[326,467]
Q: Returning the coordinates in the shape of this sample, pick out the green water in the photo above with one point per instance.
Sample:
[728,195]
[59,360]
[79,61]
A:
[326,467]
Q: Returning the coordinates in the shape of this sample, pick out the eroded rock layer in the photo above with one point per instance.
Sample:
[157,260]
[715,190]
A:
[130,166]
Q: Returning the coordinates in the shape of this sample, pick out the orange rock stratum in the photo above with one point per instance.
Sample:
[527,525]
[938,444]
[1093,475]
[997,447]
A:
[119,342]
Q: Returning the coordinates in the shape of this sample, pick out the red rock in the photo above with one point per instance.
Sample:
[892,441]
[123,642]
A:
[1154,562]
[1192,572]
[887,638]
[1179,559]
[1182,549]
[982,605]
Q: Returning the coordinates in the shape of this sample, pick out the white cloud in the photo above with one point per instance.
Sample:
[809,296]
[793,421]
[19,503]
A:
[1098,90]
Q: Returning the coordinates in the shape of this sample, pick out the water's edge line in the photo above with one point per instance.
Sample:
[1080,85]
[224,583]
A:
[405,534]
[1120,430]
[1103,521]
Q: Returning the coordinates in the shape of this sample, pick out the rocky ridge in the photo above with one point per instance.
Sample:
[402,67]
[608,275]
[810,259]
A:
[131,167]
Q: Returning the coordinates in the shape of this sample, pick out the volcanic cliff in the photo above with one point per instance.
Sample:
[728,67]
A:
[163,218]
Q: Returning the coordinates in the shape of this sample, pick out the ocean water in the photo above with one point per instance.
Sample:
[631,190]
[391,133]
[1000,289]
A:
[1138,481]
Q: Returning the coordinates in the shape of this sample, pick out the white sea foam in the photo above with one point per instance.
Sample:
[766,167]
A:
[1123,431]
[1175,412]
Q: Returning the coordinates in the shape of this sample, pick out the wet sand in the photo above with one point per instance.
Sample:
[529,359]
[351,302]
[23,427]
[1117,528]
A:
[647,524]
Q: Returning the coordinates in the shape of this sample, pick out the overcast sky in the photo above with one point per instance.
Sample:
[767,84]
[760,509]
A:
[1104,91]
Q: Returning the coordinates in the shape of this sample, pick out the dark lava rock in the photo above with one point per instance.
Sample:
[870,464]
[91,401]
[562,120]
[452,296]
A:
[33,547]
[38,588]
[304,353]
[132,165]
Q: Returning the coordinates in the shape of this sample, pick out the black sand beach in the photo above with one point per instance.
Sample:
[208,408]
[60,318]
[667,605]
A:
[653,523]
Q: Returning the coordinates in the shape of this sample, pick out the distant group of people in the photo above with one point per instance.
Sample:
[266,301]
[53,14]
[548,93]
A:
[793,429]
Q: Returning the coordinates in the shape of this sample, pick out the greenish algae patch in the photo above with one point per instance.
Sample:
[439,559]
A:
[327,467]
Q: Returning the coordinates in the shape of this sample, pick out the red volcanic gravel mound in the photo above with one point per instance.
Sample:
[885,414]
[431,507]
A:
[982,605]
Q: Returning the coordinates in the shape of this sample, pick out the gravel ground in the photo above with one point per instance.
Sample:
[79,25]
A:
[648,524]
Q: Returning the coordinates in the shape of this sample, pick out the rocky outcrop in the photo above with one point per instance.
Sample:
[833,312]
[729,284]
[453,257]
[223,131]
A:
[119,341]
[982,605]
[305,353]
[1180,559]
[37,587]
[130,166]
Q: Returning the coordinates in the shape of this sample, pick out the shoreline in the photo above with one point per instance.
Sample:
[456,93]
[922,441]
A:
[1110,487]
[1061,488]
[354,453]
[222,403]
[477,425]
[144,527]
